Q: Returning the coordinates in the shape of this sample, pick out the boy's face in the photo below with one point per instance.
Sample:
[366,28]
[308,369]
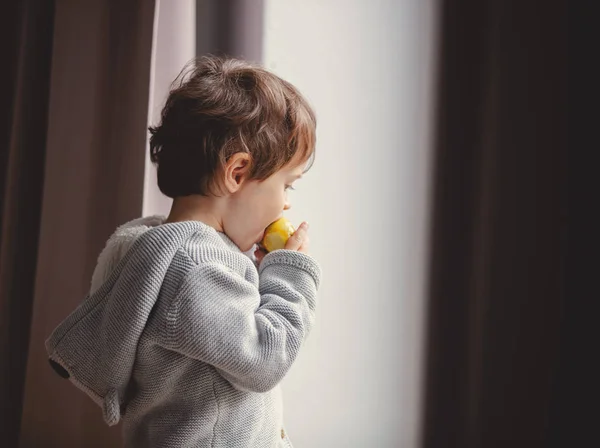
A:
[258,203]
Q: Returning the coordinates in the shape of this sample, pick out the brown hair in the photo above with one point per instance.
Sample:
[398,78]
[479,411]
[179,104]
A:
[218,107]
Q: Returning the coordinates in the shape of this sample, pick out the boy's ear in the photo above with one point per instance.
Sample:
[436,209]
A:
[236,170]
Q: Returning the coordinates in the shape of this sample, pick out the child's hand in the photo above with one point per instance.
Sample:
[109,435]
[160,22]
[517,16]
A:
[299,240]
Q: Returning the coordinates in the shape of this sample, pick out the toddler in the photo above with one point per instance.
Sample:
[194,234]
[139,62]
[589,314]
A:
[184,337]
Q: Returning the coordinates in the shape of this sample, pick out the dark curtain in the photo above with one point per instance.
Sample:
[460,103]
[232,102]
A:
[26,53]
[230,27]
[499,225]
[574,408]
[73,133]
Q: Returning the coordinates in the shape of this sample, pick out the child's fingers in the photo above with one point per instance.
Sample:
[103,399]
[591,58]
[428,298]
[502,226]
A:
[305,246]
[298,238]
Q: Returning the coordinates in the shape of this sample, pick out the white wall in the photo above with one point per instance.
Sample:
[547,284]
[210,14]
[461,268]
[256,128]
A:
[366,66]
[174,45]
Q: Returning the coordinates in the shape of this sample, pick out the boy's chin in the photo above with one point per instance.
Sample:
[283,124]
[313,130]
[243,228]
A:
[246,248]
[251,246]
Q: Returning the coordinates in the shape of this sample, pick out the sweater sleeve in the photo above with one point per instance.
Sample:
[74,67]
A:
[251,335]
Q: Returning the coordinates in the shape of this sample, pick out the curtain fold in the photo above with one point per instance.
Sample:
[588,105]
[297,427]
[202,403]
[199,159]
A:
[230,27]
[499,223]
[75,126]
[26,51]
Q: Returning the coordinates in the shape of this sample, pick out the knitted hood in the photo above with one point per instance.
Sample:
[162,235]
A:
[95,346]
[118,245]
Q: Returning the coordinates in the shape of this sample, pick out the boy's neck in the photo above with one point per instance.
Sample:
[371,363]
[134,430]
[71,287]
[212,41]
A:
[197,208]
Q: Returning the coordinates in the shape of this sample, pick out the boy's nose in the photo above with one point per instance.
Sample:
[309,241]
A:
[287,205]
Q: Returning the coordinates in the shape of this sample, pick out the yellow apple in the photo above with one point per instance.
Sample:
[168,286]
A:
[277,234]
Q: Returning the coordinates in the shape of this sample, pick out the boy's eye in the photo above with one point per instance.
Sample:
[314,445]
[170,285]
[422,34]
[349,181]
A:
[289,187]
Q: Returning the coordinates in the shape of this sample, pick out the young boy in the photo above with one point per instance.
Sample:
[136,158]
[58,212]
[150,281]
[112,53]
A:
[183,336]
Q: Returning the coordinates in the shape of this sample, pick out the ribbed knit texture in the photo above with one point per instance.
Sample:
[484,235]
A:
[185,341]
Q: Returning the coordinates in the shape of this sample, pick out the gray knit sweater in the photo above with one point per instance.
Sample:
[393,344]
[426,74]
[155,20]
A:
[185,340]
